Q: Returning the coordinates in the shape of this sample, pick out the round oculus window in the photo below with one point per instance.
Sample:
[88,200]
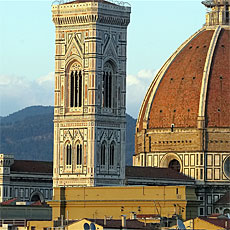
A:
[175,165]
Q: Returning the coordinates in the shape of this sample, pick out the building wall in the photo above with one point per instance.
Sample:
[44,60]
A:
[39,225]
[23,185]
[96,202]
[25,212]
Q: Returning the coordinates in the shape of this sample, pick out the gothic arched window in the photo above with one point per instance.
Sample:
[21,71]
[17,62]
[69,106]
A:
[79,154]
[111,154]
[76,88]
[72,89]
[68,154]
[103,150]
[107,86]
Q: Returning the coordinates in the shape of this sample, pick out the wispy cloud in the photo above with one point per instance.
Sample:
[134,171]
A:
[18,92]
[137,86]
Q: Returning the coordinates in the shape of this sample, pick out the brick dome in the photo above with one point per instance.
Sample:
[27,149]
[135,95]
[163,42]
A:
[193,84]
[184,120]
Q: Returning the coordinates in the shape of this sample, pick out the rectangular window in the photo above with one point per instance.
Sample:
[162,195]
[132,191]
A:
[5,191]
[186,160]
[16,192]
[51,193]
[149,160]
[46,194]
[192,160]
[11,192]
[201,211]
[209,174]
[217,160]
[201,159]
[192,173]
[142,160]
[217,174]
[215,198]
[201,174]
[21,192]
[209,160]
[155,161]
[209,199]
[186,171]
[26,192]
[197,173]
[209,210]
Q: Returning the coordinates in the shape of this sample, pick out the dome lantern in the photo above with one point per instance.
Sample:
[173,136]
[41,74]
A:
[219,14]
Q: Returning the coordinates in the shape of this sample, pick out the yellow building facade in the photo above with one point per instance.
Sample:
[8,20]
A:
[209,223]
[70,204]
[98,202]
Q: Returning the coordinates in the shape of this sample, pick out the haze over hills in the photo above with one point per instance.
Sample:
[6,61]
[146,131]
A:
[28,134]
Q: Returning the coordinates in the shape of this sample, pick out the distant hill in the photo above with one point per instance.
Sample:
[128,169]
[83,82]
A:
[28,134]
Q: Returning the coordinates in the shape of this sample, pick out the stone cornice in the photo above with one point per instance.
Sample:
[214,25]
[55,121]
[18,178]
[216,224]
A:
[86,19]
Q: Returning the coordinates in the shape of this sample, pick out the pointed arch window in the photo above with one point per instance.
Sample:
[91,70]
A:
[76,89]
[68,154]
[111,154]
[103,150]
[79,154]
[107,86]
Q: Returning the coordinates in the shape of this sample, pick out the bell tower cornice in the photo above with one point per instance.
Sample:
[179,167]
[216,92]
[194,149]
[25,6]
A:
[90,13]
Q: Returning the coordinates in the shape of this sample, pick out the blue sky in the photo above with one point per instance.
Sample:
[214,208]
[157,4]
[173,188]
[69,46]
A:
[27,35]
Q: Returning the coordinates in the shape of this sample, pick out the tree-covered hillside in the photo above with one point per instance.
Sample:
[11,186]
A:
[28,134]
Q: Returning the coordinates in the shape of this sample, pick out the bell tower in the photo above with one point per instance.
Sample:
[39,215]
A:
[90,93]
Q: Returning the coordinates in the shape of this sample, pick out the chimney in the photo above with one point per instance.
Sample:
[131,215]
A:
[104,220]
[123,221]
[133,216]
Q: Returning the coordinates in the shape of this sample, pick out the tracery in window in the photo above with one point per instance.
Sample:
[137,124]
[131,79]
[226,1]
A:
[111,154]
[79,154]
[68,154]
[107,86]
[76,88]
[103,150]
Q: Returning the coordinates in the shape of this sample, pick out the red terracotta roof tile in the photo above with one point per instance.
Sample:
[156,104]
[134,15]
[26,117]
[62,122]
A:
[225,199]
[8,202]
[178,95]
[32,166]
[224,223]
[218,98]
[130,224]
[153,172]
